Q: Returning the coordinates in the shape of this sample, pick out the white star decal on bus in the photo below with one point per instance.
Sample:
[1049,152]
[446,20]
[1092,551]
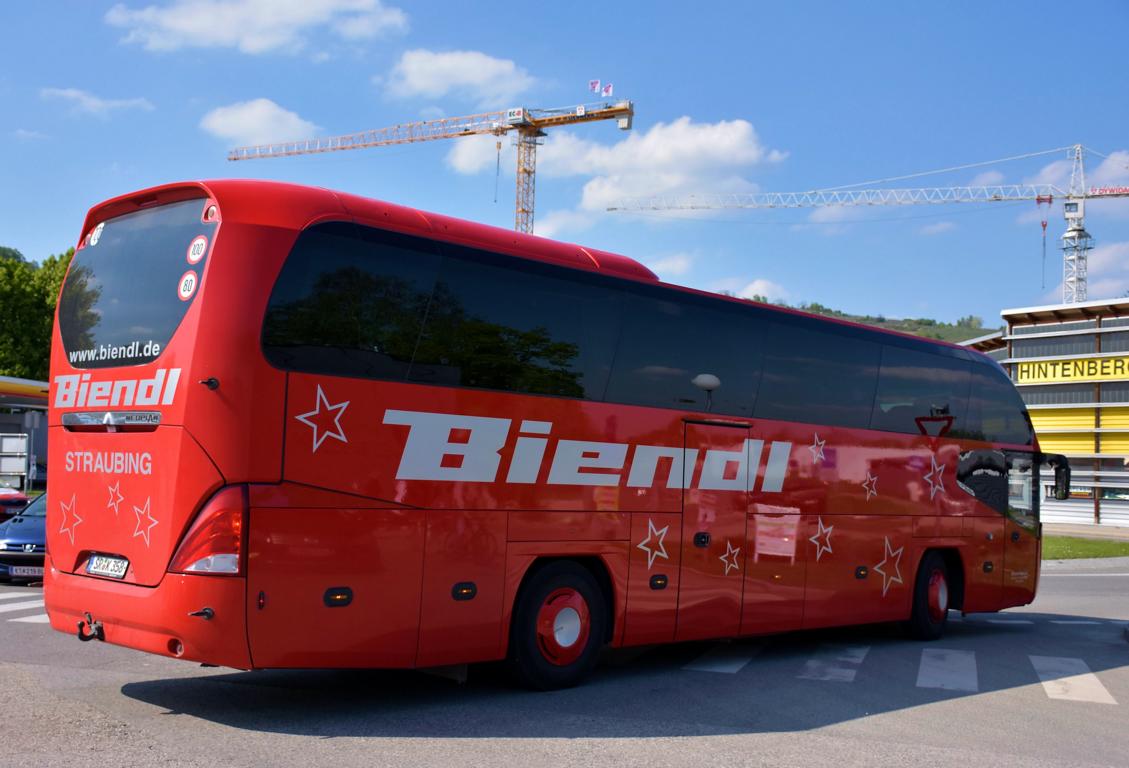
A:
[143,531]
[116,497]
[730,557]
[894,558]
[816,449]
[69,509]
[822,540]
[316,421]
[657,549]
[870,485]
[933,477]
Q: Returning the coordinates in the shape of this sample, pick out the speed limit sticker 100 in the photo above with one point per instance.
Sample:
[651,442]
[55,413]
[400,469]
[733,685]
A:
[196,249]
[187,285]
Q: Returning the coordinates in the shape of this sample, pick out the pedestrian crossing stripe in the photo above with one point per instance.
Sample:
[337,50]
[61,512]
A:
[1070,679]
[10,607]
[1062,678]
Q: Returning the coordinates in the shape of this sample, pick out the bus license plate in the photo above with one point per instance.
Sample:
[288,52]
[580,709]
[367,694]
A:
[104,565]
[25,570]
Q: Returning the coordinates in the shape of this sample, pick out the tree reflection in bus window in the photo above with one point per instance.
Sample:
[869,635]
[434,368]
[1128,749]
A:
[350,301]
[496,323]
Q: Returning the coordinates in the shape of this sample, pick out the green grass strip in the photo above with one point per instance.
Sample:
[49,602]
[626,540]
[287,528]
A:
[1070,547]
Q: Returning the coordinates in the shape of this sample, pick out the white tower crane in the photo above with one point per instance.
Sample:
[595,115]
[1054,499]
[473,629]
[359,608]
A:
[1076,241]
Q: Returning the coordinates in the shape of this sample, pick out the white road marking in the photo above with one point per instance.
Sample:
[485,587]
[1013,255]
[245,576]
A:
[39,618]
[14,595]
[1072,621]
[948,670]
[1070,679]
[1010,621]
[835,663]
[727,659]
[21,606]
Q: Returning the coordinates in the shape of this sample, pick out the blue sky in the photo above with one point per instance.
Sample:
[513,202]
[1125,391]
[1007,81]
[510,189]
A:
[101,99]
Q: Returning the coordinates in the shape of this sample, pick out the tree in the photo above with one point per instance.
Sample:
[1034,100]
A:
[28,294]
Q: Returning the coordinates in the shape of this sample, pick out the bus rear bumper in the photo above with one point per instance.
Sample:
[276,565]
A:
[155,619]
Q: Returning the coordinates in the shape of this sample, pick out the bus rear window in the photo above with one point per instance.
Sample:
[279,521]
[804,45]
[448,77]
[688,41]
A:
[131,283]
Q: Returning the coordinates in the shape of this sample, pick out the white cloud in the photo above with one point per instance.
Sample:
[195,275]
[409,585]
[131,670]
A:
[938,228]
[252,26]
[23,134]
[86,103]
[554,223]
[762,287]
[1056,173]
[670,267]
[1112,172]
[672,159]
[986,179]
[472,154]
[259,121]
[489,82]
[834,214]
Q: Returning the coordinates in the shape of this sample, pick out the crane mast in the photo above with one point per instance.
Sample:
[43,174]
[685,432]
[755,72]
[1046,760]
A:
[1076,241]
[529,124]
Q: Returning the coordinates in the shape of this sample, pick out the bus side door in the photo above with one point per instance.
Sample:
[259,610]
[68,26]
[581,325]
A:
[713,528]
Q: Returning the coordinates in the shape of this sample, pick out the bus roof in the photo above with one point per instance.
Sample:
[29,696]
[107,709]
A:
[281,204]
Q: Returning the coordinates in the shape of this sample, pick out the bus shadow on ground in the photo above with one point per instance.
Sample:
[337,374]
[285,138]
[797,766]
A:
[643,692]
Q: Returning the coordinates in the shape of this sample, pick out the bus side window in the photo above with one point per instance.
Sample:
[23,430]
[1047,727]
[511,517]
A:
[818,377]
[921,392]
[350,302]
[995,411]
[666,347]
[496,322]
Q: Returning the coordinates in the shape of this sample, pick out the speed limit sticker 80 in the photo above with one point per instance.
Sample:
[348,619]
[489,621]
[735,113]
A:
[187,285]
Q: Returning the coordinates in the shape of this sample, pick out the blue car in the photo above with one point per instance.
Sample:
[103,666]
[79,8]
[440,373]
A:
[23,542]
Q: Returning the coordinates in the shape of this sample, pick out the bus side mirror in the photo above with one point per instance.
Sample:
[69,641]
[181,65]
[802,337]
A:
[1062,475]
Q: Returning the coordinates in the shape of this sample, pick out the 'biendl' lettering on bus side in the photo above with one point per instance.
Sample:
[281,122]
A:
[431,453]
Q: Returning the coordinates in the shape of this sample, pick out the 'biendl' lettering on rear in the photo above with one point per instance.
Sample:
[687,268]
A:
[79,391]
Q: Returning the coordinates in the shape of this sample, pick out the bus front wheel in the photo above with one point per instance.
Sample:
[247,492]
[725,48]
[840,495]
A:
[930,598]
[558,627]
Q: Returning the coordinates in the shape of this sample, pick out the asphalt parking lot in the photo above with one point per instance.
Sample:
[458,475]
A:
[1045,685]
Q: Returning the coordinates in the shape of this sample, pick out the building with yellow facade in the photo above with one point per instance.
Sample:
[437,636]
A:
[1071,365]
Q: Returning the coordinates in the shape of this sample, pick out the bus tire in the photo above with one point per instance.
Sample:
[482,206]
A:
[930,598]
[558,627]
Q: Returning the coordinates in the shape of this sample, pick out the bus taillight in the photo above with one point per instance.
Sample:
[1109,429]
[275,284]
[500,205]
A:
[214,542]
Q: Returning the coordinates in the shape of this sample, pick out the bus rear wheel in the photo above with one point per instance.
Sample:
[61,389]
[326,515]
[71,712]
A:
[558,627]
[930,598]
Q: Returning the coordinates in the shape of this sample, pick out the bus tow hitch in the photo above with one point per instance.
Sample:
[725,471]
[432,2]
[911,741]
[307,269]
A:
[96,631]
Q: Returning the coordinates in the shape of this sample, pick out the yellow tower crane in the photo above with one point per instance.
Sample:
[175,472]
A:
[530,125]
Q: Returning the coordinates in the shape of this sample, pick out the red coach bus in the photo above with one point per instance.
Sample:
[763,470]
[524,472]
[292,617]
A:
[297,428]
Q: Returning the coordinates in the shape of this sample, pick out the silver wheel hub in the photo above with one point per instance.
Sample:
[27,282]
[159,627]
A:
[566,627]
